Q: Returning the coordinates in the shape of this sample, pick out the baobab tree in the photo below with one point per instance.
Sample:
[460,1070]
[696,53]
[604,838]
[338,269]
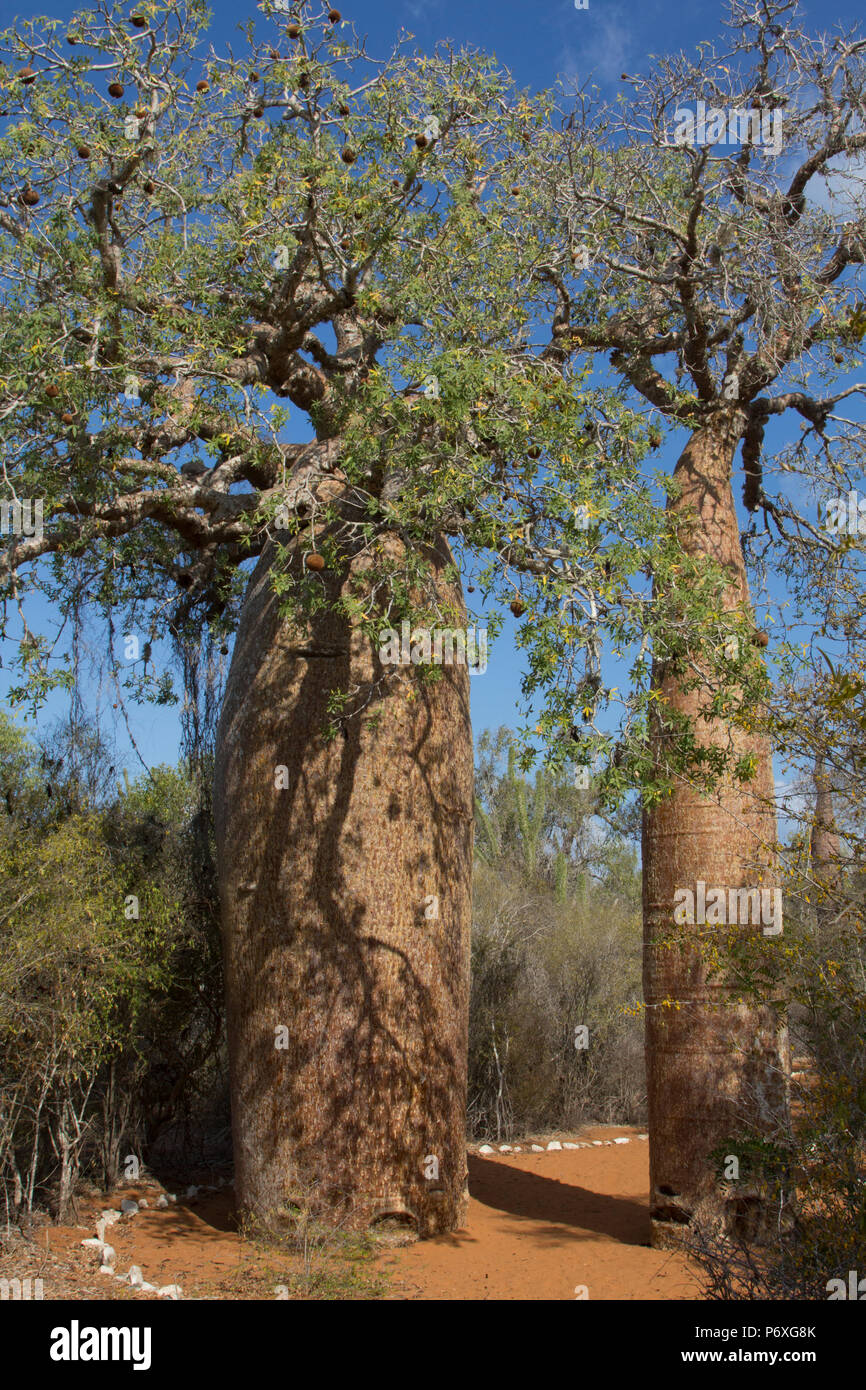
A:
[190,241]
[708,234]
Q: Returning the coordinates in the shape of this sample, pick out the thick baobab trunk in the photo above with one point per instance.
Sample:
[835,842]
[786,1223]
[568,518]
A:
[715,1066]
[345,884]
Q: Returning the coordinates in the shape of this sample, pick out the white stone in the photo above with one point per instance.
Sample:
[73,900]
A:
[100,1228]
[597,1143]
[106,1269]
[623,1140]
[554,1144]
[537,1148]
[110,1217]
[128,1206]
[172,1291]
[641,1136]
[172,1197]
[486,1149]
[109,1255]
[505,1149]
[162,1201]
[142,1201]
[136,1278]
[191,1192]
[148,1288]
[517,1149]
[566,1145]
[93,1242]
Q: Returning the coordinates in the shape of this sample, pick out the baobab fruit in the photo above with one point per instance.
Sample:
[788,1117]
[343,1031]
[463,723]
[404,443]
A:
[294,31]
[29,197]
[142,114]
[52,390]
[254,77]
[72,40]
[115,89]
[655,439]
[149,186]
[304,81]
[314,561]
[518,607]
[68,417]
[272,53]
[224,651]
[533,451]
[83,151]
[343,109]
[348,155]
[138,21]
[515,189]
[346,243]
[27,76]
[838,357]
[258,112]
[202,86]
[421,141]
[761,639]
[334,16]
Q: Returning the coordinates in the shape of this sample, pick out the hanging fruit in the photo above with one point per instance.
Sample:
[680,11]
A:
[83,151]
[202,86]
[115,89]
[149,186]
[348,155]
[138,21]
[52,390]
[314,561]
[518,607]
[29,197]
[334,16]
[294,31]
[27,76]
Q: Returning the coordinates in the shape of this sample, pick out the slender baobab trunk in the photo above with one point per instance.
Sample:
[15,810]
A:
[345,879]
[714,1066]
[824,847]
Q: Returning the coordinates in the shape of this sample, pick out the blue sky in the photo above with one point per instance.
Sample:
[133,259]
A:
[538,43]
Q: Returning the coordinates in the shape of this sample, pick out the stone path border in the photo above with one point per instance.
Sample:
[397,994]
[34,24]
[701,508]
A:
[554,1146]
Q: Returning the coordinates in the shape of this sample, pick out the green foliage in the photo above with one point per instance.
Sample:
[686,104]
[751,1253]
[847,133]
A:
[550,956]
[109,989]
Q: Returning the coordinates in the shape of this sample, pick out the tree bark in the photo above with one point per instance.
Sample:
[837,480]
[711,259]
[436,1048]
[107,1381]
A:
[346,906]
[714,1066]
[824,847]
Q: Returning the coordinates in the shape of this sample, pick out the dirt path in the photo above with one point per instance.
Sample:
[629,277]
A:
[541,1226]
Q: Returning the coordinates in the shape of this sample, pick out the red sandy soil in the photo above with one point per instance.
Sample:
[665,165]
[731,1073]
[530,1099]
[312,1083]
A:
[540,1226]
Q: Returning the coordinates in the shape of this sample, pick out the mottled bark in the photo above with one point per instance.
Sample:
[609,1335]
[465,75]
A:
[714,1066]
[824,846]
[346,912]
